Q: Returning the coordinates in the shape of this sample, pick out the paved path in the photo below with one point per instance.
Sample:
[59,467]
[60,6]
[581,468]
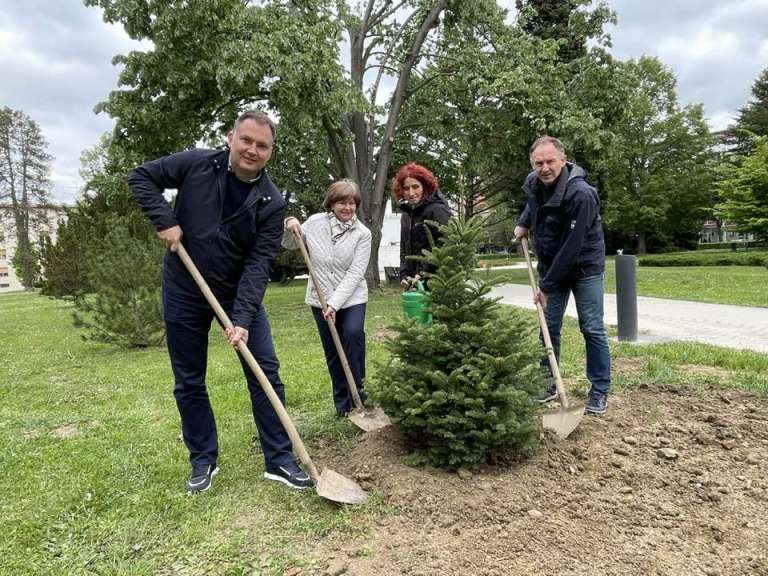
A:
[659,319]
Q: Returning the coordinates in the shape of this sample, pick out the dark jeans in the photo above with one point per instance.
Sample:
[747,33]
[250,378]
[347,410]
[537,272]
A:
[588,294]
[350,324]
[187,323]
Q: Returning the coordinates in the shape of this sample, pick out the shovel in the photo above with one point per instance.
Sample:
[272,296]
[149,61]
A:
[567,418]
[367,419]
[329,485]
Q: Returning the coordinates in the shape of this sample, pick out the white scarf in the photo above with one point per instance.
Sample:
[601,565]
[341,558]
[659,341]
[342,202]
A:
[339,228]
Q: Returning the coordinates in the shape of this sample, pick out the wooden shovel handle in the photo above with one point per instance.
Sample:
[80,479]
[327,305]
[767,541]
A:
[331,325]
[265,384]
[545,331]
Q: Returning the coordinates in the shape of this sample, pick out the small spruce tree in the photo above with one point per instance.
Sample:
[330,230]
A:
[463,387]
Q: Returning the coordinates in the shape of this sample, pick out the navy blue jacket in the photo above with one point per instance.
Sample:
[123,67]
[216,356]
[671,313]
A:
[413,231]
[233,254]
[567,228]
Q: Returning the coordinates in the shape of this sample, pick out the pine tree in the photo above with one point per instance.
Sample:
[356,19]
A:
[107,258]
[462,387]
[744,192]
[125,307]
[24,187]
[753,118]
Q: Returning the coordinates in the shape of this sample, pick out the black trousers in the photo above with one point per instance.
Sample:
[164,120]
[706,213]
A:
[350,324]
[188,320]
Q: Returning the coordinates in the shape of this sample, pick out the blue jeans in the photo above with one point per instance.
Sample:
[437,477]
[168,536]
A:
[588,294]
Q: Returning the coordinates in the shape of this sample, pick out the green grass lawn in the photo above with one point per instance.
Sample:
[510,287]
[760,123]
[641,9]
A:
[93,471]
[742,285]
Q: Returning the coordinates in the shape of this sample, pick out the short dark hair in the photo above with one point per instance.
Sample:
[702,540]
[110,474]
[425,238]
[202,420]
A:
[258,116]
[342,190]
[546,140]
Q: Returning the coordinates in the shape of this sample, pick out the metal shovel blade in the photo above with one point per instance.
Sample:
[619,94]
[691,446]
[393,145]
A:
[333,486]
[368,419]
[563,421]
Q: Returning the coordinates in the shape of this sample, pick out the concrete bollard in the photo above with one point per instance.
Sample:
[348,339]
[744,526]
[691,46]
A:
[626,296]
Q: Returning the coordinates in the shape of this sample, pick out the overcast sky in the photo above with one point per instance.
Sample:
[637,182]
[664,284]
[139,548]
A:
[55,62]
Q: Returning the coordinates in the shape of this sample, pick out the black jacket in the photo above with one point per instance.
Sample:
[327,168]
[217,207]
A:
[233,254]
[413,231]
[567,228]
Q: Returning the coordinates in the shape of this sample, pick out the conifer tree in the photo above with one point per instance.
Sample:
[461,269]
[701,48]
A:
[125,307]
[463,387]
[25,167]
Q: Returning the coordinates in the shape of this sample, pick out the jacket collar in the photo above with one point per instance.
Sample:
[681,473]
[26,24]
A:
[570,171]
[436,196]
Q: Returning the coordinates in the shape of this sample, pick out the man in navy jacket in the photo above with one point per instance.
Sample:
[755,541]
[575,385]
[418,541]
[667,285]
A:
[230,217]
[563,211]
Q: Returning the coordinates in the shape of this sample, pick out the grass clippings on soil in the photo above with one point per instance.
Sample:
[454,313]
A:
[670,481]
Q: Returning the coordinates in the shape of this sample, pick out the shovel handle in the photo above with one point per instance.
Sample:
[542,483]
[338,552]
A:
[545,331]
[265,384]
[331,325]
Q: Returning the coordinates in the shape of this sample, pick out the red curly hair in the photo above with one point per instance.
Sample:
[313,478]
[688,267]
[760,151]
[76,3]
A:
[418,172]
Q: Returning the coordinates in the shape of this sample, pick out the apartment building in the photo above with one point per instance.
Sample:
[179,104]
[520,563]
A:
[49,215]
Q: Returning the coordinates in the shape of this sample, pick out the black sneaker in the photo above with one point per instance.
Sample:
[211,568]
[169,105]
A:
[597,403]
[291,475]
[201,477]
[341,413]
[549,395]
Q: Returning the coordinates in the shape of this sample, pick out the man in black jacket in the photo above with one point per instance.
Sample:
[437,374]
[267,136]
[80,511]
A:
[231,218]
[563,211]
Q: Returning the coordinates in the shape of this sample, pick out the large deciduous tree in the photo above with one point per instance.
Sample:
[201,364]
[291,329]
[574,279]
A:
[24,187]
[212,59]
[744,192]
[659,169]
[494,87]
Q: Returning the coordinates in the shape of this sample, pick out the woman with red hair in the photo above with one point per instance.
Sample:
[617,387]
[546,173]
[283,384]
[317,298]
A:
[420,202]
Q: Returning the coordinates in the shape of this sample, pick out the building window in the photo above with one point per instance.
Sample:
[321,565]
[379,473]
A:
[4,285]
[2,253]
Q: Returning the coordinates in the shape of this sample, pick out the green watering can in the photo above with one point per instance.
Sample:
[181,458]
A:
[415,303]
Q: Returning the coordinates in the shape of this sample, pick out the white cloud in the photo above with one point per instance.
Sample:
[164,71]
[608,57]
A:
[704,44]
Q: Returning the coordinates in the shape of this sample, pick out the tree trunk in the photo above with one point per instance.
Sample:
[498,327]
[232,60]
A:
[641,243]
[377,206]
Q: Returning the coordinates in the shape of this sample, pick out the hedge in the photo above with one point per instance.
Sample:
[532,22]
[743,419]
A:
[752,258]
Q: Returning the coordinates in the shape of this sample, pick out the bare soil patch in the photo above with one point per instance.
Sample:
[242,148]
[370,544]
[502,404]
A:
[384,334]
[629,366]
[66,431]
[670,481]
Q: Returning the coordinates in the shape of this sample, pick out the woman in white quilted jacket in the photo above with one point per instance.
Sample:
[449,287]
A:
[339,248]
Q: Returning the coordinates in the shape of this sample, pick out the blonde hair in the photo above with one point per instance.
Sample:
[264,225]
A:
[342,190]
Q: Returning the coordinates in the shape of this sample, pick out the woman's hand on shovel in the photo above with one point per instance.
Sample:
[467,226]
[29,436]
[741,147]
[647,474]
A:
[237,334]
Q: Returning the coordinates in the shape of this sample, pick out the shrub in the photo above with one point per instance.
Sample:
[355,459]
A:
[463,387]
[706,259]
[740,245]
[125,307]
